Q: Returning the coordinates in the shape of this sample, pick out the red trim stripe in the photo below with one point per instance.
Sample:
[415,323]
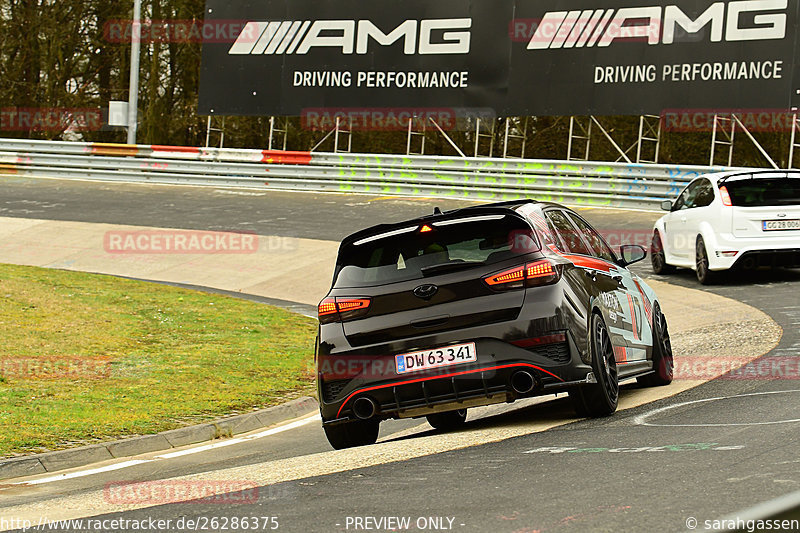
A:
[591,262]
[539,341]
[431,378]
[620,354]
[647,305]
[280,157]
[633,317]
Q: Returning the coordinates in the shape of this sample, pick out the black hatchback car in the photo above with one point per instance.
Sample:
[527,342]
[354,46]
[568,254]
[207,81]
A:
[478,306]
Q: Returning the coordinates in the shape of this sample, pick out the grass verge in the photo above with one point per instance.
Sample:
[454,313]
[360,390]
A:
[87,358]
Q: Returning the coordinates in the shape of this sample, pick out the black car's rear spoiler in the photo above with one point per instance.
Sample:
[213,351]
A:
[504,208]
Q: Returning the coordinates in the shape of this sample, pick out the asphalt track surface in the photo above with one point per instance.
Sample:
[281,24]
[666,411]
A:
[703,454]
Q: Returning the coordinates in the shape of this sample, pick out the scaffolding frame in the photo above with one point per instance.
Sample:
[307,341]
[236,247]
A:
[486,139]
[584,135]
[480,125]
[342,137]
[724,134]
[274,130]
[516,129]
[757,144]
[210,128]
[421,132]
[346,131]
[649,133]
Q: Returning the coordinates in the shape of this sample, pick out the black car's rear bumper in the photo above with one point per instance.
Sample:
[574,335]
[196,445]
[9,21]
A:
[553,367]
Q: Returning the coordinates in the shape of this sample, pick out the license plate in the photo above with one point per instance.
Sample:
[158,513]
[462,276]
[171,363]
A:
[781,225]
[458,354]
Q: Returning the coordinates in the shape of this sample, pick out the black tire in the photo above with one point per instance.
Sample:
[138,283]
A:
[658,259]
[601,398]
[663,361]
[352,434]
[448,421]
[704,275]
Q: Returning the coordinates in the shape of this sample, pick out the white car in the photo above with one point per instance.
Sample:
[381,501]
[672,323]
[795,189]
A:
[736,219]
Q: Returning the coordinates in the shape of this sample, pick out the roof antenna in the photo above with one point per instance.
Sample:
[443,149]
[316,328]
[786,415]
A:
[437,211]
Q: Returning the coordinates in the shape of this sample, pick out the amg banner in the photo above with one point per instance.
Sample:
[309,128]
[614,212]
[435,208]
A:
[512,57]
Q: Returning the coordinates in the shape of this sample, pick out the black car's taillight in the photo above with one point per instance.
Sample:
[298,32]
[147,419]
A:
[530,275]
[342,309]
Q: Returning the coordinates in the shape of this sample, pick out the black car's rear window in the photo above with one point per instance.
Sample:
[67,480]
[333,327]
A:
[414,253]
[763,192]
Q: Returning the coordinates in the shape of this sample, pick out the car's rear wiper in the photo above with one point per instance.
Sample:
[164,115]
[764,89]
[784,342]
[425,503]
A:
[449,267]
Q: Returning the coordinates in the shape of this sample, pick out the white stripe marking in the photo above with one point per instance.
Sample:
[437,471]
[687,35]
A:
[222,444]
[600,27]
[83,473]
[266,38]
[590,27]
[281,429]
[279,36]
[578,29]
[119,466]
[200,449]
[289,36]
[300,33]
[547,30]
[641,420]
[565,29]
[248,38]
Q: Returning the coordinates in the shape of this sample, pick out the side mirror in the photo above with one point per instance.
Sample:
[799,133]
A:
[632,253]
[666,205]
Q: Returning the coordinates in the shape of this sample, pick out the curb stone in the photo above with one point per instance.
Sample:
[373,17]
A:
[223,428]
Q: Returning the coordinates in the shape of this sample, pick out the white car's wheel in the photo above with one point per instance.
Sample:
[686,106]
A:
[705,275]
[658,258]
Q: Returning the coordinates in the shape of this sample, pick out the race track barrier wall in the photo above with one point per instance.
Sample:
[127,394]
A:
[595,184]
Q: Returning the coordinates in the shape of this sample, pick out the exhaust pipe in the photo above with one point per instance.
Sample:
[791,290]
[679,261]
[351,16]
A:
[523,382]
[364,408]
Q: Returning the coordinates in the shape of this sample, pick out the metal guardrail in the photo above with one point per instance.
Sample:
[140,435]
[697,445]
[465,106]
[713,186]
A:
[640,186]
